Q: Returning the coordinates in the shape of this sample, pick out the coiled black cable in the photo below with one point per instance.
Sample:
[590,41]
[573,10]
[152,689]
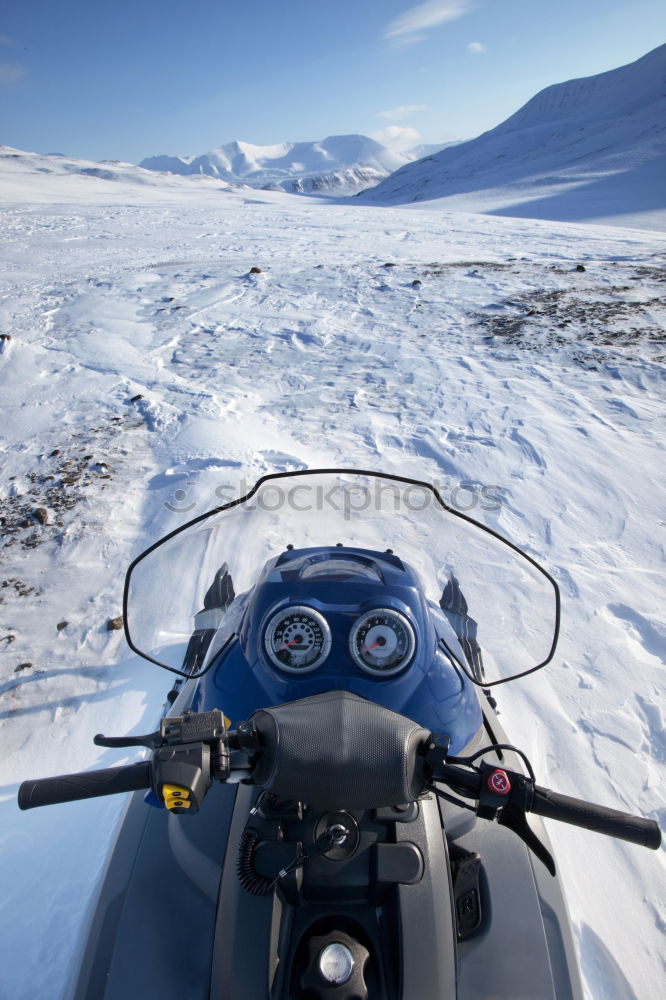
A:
[259,885]
[256,885]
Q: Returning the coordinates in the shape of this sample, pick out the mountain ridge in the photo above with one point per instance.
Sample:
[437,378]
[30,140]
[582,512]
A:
[588,148]
[342,161]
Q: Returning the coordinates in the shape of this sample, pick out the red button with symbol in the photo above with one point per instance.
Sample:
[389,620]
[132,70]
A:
[498,782]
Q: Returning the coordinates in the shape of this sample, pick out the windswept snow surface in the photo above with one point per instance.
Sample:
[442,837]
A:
[585,150]
[149,372]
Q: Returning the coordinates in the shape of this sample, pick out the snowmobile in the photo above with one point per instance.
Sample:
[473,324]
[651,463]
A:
[335,638]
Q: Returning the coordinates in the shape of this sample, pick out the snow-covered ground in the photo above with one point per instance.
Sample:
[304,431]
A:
[145,371]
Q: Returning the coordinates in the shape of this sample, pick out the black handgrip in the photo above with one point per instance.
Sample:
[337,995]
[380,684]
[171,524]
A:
[635,829]
[84,785]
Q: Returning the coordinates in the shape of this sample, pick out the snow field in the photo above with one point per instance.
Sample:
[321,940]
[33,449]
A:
[481,358]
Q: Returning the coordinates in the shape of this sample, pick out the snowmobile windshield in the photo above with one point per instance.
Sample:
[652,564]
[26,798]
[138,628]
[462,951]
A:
[195,586]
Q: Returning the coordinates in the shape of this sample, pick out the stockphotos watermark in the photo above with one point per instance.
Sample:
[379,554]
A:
[345,498]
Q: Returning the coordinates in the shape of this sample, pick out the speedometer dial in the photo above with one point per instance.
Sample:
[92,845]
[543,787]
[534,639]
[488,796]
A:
[382,642]
[297,639]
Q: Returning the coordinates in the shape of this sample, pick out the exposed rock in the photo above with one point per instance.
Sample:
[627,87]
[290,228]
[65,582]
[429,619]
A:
[255,270]
[41,514]
[135,399]
[21,588]
[580,267]
[61,625]
[22,666]
[114,624]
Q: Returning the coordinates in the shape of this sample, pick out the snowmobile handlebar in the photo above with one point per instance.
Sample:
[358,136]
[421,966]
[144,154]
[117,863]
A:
[193,750]
[600,819]
[544,802]
[499,792]
[84,785]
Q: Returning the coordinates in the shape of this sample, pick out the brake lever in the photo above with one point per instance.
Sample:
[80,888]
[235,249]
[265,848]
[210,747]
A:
[514,819]
[507,796]
[151,740]
[190,727]
[189,752]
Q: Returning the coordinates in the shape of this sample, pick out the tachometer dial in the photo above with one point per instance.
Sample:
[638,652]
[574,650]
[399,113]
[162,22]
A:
[297,639]
[382,641]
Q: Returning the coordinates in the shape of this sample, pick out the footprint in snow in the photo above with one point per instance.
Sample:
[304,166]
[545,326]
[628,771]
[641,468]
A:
[528,450]
[655,731]
[650,636]
[621,407]
[280,461]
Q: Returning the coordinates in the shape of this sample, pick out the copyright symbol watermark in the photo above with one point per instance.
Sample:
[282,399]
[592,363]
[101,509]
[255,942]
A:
[182,500]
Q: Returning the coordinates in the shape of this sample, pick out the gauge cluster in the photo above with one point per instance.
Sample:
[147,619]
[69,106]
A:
[382,642]
[336,617]
[298,640]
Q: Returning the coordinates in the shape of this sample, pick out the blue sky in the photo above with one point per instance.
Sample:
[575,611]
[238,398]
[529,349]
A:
[127,79]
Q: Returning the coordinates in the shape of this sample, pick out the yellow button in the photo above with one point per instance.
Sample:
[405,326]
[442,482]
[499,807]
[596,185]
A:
[176,797]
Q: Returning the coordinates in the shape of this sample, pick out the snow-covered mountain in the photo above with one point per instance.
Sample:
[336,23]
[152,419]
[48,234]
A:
[429,149]
[586,149]
[344,182]
[41,177]
[338,163]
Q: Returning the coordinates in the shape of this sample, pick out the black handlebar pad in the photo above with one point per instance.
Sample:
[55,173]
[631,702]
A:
[84,785]
[338,751]
[635,829]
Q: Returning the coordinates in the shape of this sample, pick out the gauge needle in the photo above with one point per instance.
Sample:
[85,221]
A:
[287,645]
[380,642]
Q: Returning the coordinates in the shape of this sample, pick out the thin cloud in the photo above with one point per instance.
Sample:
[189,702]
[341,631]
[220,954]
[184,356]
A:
[399,138]
[6,40]
[477,48]
[401,112]
[409,26]
[11,73]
